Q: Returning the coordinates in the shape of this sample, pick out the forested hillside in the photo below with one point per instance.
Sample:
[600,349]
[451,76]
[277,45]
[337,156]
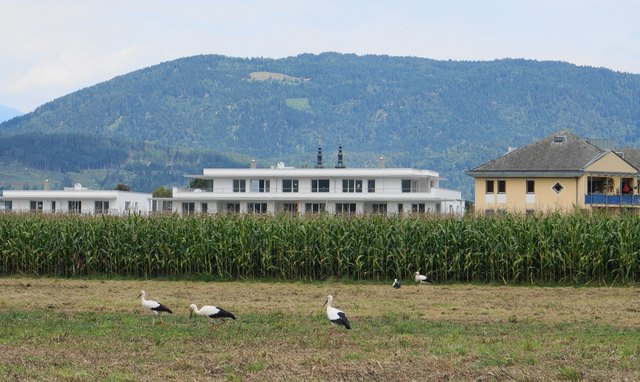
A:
[442,115]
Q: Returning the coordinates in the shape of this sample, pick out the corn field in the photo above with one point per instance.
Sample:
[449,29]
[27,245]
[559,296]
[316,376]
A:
[507,249]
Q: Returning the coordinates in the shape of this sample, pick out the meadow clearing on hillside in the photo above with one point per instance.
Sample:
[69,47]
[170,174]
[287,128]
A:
[72,330]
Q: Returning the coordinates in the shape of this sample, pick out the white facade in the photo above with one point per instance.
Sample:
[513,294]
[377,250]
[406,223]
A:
[386,191]
[75,199]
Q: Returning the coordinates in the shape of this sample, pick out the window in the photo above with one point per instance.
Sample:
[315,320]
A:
[380,208]
[400,208]
[406,185]
[204,208]
[260,185]
[75,206]
[558,187]
[233,208]
[53,206]
[101,207]
[8,205]
[290,207]
[315,208]
[289,185]
[502,186]
[346,208]
[531,186]
[257,208]
[188,208]
[36,205]
[489,187]
[351,185]
[371,185]
[239,185]
[167,205]
[418,208]
[320,185]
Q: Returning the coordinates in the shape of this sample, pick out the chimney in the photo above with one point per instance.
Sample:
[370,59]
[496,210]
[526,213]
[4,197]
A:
[46,186]
[252,164]
[340,162]
[319,164]
[381,162]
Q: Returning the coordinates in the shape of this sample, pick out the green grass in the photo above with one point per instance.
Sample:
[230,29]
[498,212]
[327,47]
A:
[71,330]
[181,345]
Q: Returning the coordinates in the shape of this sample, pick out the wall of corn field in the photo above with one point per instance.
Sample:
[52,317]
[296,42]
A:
[506,249]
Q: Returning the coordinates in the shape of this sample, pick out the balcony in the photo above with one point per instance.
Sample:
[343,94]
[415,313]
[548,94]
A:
[612,200]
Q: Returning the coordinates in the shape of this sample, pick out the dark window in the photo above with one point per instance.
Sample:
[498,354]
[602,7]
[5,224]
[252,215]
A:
[531,186]
[346,208]
[75,206]
[371,185]
[204,208]
[418,208]
[8,205]
[36,205]
[558,187]
[315,208]
[489,187]
[320,185]
[290,207]
[257,208]
[101,207]
[502,186]
[351,185]
[290,185]
[233,208]
[239,185]
[188,208]
[380,208]
[400,208]
[406,185]
[260,185]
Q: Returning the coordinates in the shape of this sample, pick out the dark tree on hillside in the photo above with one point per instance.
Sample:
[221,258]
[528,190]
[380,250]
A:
[162,192]
[122,187]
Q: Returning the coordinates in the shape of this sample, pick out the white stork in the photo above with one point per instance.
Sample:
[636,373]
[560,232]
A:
[421,279]
[336,316]
[396,284]
[155,307]
[212,312]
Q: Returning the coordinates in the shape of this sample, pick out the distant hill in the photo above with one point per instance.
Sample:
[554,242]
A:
[7,113]
[214,111]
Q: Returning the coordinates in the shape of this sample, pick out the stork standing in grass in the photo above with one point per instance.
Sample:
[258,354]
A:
[336,316]
[212,312]
[155,307]
[421,279]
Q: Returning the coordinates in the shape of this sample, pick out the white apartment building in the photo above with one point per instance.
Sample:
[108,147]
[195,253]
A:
[76,199]
[338,190]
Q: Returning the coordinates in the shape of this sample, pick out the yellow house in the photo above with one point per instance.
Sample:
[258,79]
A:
[560,172]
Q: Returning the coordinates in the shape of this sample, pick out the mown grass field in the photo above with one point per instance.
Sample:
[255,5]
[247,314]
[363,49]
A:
[77,330]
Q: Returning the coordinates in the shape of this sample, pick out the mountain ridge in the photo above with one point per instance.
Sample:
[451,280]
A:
[448,116]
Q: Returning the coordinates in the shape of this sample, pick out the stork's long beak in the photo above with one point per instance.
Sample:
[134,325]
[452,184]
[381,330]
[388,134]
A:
[139,296]
[325,303]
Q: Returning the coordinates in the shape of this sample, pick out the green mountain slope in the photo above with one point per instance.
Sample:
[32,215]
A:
[442,115]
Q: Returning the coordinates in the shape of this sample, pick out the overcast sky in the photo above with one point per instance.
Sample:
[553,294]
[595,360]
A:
[49,48]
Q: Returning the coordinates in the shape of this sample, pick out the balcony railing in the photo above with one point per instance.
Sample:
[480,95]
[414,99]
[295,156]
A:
[612,200]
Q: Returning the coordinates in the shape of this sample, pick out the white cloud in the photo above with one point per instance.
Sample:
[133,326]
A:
[51,48]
